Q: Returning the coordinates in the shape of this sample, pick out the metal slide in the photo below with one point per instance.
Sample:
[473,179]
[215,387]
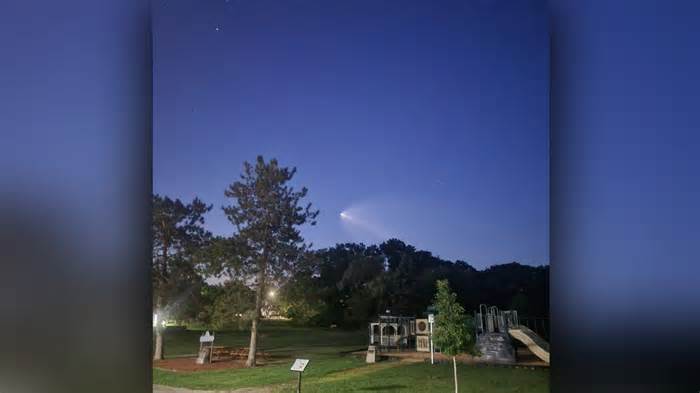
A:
[533,342]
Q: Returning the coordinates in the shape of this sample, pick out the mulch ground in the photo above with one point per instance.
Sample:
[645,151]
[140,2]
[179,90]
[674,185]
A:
[524,357]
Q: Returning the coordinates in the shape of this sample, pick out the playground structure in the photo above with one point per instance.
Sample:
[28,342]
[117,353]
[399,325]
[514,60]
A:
[492,338]
[494,331]
[534,343]
[393,333]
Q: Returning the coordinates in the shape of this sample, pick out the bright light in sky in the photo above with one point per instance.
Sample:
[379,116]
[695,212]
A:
[361,222]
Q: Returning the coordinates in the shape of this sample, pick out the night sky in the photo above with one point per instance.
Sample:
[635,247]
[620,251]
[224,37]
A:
[423,120]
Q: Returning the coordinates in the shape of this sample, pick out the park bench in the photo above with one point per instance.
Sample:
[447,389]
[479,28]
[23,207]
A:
[208,351]
[229,353]
[222,353]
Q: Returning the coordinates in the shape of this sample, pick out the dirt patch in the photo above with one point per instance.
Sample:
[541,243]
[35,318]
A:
[188,364]
[524,357]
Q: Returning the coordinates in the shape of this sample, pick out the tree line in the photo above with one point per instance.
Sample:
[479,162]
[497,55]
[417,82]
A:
[265,266]
[350,284]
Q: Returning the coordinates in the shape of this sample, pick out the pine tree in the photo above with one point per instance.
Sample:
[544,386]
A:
[266,212]
[178,235]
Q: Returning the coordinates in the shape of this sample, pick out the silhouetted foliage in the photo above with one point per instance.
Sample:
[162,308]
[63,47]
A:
[178,239]
[350,283]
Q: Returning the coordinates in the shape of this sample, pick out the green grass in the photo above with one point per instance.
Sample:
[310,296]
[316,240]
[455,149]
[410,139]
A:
[320,366]
[332,369]
[422,377]
[279,338]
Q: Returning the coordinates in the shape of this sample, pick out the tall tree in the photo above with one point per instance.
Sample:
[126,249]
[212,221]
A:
[178,234]
[452,333]
[267,214]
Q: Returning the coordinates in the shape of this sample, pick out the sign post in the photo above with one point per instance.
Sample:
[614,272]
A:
[299,366]
[371,354]
[431,320]
[205,339]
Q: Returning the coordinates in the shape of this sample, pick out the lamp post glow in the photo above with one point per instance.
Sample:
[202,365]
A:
[156,322]
[271,294]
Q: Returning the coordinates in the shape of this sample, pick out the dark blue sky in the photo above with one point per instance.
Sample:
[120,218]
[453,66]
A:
[424,120]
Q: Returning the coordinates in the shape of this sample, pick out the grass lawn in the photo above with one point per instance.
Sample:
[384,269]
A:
[333,370]
[279,338]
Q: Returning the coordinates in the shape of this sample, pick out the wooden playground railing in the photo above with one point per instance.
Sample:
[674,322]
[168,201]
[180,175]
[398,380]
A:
[537,325]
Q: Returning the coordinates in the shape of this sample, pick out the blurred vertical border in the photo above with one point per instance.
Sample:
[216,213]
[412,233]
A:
[625,299]
[75,115]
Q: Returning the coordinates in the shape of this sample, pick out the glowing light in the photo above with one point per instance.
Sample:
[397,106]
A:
[361,221]
[271,294]
[155,320]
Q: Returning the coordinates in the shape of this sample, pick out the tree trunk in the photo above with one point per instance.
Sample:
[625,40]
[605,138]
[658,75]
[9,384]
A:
[454,365]
[253,348]
[158,351]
